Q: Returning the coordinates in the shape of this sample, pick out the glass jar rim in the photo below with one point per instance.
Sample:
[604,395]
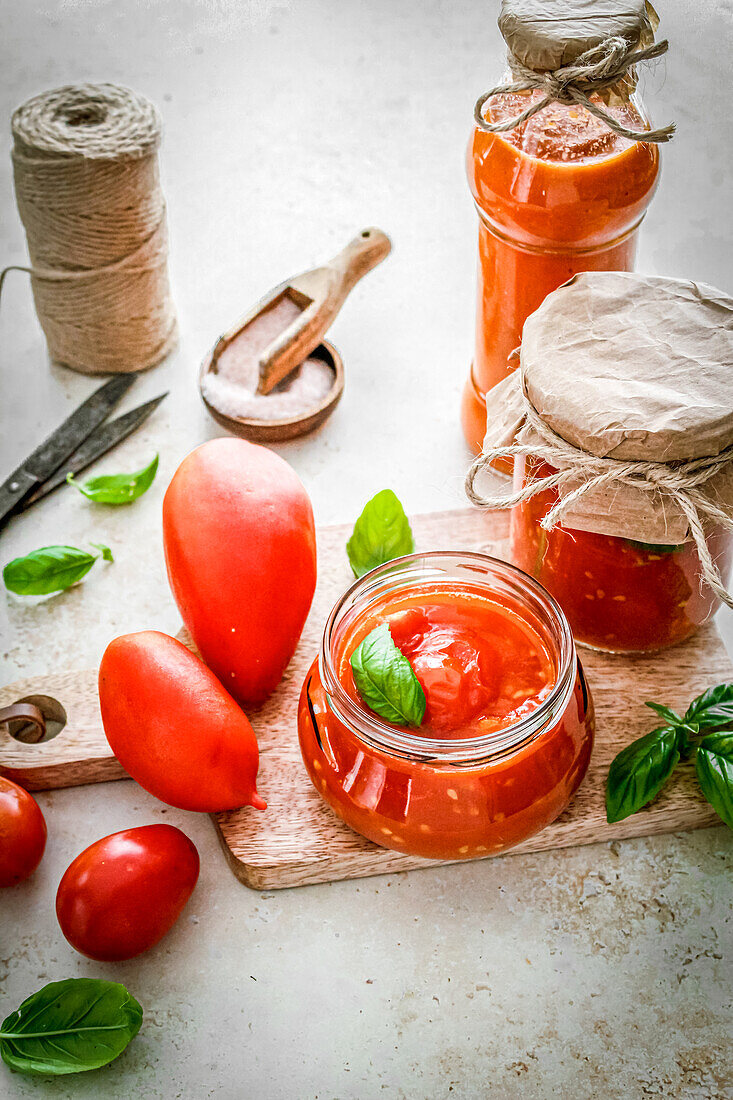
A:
[418,568]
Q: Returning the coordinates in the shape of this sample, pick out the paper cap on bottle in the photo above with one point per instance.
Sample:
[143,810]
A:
[548,34]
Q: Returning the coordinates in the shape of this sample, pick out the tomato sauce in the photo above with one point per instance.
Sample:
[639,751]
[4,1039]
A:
[618,595]
[480,665]
[557,195]
[471,779]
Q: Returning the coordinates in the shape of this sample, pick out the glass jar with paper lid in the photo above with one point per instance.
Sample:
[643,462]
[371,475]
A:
[562,164]
[620,425]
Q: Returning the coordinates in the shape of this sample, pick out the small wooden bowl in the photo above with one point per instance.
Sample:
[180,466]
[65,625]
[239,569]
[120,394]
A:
[276,431]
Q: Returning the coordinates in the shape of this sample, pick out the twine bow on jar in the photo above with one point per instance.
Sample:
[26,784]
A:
[596,70]
[579,473]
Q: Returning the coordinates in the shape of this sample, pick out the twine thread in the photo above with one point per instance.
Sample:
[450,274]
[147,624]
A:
[89,196]
[596,70]
[582,473]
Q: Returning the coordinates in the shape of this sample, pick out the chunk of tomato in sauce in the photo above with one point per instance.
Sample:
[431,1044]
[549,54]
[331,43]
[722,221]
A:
[481,666]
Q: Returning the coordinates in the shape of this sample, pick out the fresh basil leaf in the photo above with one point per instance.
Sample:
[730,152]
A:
[639,772]
[117,488]
[385,680]
[714,767]
[713,709]
[70,1026]
[670,716]
[381,533]
[105,551]
[685,745]
[50,569]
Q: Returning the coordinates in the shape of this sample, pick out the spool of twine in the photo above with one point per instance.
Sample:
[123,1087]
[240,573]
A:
[85,162]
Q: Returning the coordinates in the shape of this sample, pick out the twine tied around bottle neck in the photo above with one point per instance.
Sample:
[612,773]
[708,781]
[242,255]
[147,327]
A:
[596,70]
[580,473]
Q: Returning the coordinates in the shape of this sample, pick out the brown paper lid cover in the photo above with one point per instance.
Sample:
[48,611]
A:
[548,34]
[635,367]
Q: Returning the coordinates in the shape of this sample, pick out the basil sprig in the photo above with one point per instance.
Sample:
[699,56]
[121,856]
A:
[639,772]
[385,679]
[51,569]
[69,1027]
[714,770]
[382,532]
[711,710]
[117,488]
[704,731]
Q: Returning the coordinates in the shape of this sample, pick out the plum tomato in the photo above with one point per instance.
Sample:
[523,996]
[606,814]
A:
[240,548]
[174,728]
[22,833]
[126,891]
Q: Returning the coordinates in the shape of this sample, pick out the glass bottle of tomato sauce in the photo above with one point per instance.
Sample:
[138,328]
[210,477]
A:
[623,396]
[508,726]
[558,193]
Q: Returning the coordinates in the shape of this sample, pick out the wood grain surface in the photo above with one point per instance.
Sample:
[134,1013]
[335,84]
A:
[298,840]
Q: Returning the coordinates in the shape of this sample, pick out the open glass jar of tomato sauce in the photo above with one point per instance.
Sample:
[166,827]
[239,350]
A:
[622,410]
[508,727]
[560,192]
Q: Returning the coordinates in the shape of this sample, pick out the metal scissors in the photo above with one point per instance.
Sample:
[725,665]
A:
[80,440]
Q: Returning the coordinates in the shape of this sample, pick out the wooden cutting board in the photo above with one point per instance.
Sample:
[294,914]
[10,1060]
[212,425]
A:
[298,840]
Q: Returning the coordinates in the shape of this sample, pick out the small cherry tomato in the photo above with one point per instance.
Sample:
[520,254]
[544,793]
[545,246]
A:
[22,833]
[126,891]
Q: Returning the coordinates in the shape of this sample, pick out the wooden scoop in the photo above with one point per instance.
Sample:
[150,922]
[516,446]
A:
[319,293]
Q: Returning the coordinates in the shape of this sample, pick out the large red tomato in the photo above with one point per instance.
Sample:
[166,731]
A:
[124,892]
[174,728]
[22,833]
[241,554]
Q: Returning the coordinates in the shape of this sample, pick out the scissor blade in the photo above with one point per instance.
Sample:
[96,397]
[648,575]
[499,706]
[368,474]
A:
[75,429]
[60,444]
[97,444]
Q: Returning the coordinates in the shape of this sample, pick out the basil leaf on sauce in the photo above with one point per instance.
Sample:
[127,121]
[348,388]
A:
[385,679]
[50,569]
[639,772]
[70,1026]
[117,488]
[382,532]
[714,769]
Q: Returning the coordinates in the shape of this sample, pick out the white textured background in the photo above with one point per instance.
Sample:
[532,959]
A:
[602,971]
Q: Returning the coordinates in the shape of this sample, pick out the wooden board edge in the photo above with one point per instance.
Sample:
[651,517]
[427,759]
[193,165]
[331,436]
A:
[289,875]
[57,776]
